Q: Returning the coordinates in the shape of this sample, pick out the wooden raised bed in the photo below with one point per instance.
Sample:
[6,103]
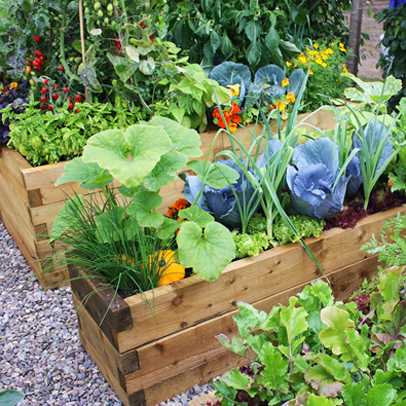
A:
[29,200]
[149,359]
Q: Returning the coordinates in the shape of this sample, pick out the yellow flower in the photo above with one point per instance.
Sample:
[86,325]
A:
[280,105]
[288,63]
[285,82]
[235,89]
[13,85]
[290,98]
[341,45]
[332,44]
[329,51]
[302,59]
[324,64]
[345,69]
[232,127]
[319,61]
[316,45]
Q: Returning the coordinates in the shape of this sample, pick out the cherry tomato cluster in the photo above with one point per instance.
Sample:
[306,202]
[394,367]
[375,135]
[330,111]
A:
[143,26]
[118,45]
[37,63]
[50,91]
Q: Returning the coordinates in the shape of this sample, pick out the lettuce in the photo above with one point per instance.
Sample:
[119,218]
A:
[247,245]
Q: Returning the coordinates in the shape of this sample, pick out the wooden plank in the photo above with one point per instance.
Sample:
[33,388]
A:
[16,204]
[119,365]
[15,163]
[101,306]
[6,175]
[186,303]
[43,176]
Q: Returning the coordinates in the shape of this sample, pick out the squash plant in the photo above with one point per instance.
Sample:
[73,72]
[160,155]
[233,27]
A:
[320,352]
[144,158]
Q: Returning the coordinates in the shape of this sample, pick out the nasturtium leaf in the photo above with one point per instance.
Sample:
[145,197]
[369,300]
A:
[67,216]
[380,395]
[111,149]
[197,215]
[167,229]
[184,140]
[143,209]
[113,225]
[207,252]
[294,320]
[214,174]
[276,369]
[89,173]
[342,337]
[10,397]
[165,171]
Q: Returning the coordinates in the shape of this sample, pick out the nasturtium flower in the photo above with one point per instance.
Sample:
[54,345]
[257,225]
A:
[285,82]
[312,177]
[290,98]
[235,89]
[311,72]
[288,63]
[280,105]
[232,127]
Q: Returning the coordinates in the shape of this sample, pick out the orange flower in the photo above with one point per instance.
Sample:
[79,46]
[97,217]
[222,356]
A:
[280,105]
[285,82]
[234,109]
[290,98]
[232,127]
[173,211]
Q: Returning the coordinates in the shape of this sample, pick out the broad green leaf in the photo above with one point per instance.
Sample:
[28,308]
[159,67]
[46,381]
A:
[316,296]
[372,91]
[214,174]
[197,215]
[249,319]
[143,209]
[323,381]
[147,66]
[126,191]
[215,41]
[392,378]
[111,149]
[89,173]
[67,216]
[276,369]
[207,252]
[252,30]
[254,53]
[132,53]
[184,140]
[165,171]
[237,344]
[390,283]
[227,391]
[122,66]
[167,229]
[10,397]
[113,225]
[398,363]
[237,380]
[272,39]
[342,337]
[314,400]
[380,395]
[294,320]
[354,394]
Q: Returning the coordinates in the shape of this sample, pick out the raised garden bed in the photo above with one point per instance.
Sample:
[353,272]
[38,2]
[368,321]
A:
[149,359]
[29,200]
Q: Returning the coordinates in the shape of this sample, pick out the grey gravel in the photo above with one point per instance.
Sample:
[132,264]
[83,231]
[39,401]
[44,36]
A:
[40,350]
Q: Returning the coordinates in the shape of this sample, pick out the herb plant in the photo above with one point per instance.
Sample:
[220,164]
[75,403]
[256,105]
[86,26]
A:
[61,135]
[316,351]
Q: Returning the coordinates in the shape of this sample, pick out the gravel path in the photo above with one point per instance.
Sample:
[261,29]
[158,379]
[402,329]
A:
[40,350]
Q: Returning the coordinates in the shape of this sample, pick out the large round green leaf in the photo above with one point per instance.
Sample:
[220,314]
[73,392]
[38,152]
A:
[143,208]
[129,156]
[10,397]
[206,252]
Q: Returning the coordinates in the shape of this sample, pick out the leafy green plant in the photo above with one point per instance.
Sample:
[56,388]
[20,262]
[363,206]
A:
[392,247]
[316,351]
[53,137]
[144,158]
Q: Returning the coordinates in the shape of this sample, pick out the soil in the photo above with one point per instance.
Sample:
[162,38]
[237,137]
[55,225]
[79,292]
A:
[372,48]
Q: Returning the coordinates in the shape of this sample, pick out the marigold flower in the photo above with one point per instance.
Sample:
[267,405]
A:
[316,45]
[329,51]
[173,211]
[324,64]
[285,82]
[288,63]
[280,105]
[311,72]
[345,69]
[290,98]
